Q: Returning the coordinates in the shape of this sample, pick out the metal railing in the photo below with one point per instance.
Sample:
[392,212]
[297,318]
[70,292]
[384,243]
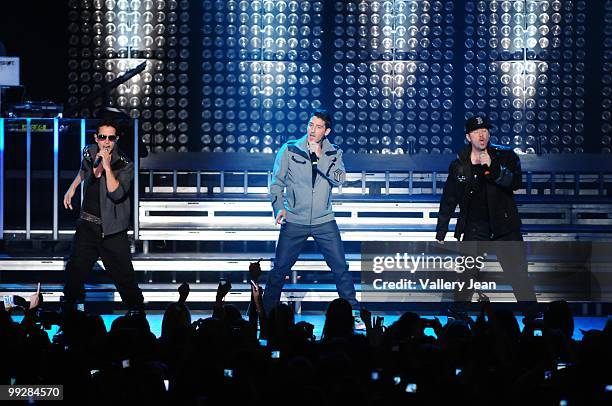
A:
[572,171]
[240,175]
[57,125]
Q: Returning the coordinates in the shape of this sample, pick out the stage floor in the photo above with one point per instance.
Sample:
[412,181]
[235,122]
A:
[318,319]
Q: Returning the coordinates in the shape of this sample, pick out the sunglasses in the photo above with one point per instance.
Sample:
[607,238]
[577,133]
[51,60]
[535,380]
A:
[110,137]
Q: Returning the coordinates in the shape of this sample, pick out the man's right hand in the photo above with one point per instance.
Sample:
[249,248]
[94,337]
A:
[68,198]
[281,216]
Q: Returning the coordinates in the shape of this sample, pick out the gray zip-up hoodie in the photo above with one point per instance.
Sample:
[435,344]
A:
[305,204]
[115,205]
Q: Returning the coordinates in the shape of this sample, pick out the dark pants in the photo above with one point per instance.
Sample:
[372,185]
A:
[290,242]
[114,250]
[511,255]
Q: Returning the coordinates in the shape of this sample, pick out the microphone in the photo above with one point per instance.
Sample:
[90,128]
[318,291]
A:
[98,160]
[485,167]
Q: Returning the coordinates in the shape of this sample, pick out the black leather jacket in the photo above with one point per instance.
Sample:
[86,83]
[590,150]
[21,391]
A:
[114,206]
[503,179]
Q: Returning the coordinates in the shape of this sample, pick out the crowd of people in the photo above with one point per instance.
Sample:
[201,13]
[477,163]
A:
[267,357]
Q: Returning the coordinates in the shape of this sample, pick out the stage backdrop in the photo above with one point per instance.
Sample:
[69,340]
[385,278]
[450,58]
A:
[400,76]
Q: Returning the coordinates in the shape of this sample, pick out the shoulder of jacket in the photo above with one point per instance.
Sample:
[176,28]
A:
[290,145]
[293,148]
[455,163]
[123,157]
[334,151]
[88,151]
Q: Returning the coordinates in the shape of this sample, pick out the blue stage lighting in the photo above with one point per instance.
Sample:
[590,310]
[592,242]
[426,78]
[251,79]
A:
[392,64]
[526,72]
[276,80]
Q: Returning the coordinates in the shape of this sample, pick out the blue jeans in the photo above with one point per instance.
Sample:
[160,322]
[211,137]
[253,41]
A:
[290,242]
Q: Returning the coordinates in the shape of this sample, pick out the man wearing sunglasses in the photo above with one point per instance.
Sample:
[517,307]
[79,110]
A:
[101,230]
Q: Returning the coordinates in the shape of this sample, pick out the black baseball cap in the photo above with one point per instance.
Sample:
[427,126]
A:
[476,122]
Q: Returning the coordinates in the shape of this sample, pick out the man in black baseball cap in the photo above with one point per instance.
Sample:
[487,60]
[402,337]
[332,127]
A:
[482,181]
[477,122]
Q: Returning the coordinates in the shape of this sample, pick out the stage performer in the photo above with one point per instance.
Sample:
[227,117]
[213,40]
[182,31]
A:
[482,180]
[305,171]
[101,230]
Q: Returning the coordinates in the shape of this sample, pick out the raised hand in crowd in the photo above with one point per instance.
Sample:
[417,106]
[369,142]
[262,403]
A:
[222,290]
[257,295]
[374,329]
[15,301]
[255,310]
[255,270]
[183,291]
[434,324]
[36,299]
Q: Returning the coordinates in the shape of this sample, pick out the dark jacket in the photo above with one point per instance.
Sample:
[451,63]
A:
[503,179]
[114,206]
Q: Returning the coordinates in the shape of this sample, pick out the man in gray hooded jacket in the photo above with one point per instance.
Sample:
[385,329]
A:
[101,231]
[306,170]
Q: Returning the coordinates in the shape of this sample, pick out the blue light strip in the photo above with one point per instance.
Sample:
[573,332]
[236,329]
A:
[136,186]
[28,177]
[1,178]
[55,177]
[83,135]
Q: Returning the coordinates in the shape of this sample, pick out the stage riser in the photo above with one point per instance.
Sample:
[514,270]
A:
[167,296]
[229,265]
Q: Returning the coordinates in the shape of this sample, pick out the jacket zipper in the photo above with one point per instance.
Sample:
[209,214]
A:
[312,194]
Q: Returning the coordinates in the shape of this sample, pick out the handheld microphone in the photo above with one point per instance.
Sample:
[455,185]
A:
[98,160]
[486,167]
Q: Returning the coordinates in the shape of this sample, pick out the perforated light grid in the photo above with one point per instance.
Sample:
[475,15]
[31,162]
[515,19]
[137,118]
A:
[606,82]
[108,38]
[525,69]
[393,76]
[262,72]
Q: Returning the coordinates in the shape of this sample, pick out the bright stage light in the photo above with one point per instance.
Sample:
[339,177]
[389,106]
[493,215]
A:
[393,74]
[124,32]
[526,73]
[276,79]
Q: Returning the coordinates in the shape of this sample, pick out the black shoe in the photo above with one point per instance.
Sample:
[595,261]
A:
[482,297]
